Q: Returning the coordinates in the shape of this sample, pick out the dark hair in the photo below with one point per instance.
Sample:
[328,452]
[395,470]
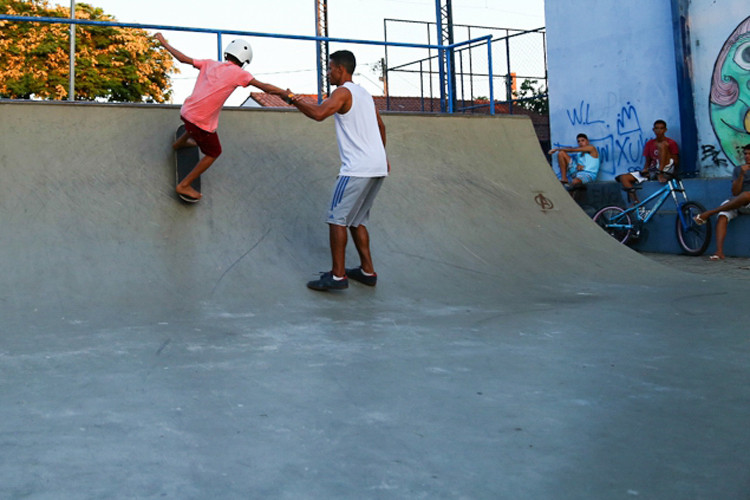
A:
[232,59]
[660,121]
[582,135]
[345,59]
[746,147]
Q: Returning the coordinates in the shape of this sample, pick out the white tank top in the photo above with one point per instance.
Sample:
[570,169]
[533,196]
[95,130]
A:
[360,145]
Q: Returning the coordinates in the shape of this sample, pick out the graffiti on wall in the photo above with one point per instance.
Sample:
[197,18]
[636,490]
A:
[730,100]
[619,138]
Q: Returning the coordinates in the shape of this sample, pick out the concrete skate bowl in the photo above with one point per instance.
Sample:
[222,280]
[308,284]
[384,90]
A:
[470,213]
[511,349]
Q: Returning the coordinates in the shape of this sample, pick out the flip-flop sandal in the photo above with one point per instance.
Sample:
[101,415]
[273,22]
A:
[699,220]
[715,258]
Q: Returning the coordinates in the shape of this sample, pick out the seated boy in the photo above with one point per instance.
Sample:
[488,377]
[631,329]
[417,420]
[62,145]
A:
[662,156]
[581,165]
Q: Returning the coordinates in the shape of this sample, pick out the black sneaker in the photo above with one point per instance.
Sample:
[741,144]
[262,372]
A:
[357,275]
[326,282]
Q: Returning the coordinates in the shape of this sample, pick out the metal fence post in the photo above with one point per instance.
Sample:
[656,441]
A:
[72,71]
[492,80]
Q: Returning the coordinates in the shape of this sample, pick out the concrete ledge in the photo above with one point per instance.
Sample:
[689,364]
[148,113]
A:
[659,235]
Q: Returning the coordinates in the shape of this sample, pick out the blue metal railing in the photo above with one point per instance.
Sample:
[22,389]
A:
[219,32]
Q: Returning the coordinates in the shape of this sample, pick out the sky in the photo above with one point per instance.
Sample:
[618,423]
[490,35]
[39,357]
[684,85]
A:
[291,64]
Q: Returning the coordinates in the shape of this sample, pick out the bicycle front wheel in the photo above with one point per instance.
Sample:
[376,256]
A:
[615,222]
[694,239]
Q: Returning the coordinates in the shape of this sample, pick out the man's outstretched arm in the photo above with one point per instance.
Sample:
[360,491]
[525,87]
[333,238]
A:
[340,101]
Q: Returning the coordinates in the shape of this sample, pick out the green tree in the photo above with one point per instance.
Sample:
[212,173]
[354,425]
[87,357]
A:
[532,97]
[115,64]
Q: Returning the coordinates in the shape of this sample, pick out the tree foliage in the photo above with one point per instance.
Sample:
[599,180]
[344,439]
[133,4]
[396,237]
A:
[113,64]
[532,98]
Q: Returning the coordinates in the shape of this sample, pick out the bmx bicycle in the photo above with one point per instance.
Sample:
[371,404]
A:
[625,224]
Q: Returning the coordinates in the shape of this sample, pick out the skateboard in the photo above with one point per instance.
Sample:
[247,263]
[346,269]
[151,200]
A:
[185,161]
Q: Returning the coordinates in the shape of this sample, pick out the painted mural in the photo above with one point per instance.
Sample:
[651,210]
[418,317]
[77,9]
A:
[729,105]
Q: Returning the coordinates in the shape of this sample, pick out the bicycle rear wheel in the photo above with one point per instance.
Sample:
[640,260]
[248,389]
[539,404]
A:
[694,239]
[615,222]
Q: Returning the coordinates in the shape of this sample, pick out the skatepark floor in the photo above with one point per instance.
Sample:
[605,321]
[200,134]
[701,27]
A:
[511,349]
[731,267]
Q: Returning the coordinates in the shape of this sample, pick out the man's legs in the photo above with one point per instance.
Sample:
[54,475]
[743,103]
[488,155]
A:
[350,207]
[361,238]
[737,202]
[721,233]
[337,237]
[336,278]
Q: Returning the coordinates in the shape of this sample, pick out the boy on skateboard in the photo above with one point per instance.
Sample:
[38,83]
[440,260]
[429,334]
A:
[200,111]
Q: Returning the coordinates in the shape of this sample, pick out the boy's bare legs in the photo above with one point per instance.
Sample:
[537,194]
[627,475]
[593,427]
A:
[737,202]
[563,160]
[628,181]
[721,233]
[362,241]
[184,187]
[184,141]
[665,158]
[664,155]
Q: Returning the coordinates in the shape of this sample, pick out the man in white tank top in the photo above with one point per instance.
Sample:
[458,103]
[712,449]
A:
[360,133]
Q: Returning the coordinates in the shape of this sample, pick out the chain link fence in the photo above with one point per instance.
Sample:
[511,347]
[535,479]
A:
[519,62]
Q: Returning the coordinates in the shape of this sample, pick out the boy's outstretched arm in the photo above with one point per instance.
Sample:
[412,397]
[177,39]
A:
[176,53]
[270,89]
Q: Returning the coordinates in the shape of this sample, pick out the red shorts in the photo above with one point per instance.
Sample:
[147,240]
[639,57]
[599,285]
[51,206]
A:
[208,142]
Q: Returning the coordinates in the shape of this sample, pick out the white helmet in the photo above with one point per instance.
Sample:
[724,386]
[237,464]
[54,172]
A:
[241,50]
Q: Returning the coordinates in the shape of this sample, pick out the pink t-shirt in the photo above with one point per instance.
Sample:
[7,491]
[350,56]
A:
[216,82]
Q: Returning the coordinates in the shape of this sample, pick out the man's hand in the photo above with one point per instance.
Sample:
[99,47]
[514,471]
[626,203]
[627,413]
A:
[289,97]
[160,38]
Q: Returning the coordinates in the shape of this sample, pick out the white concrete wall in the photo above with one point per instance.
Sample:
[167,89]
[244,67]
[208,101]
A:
[611,75]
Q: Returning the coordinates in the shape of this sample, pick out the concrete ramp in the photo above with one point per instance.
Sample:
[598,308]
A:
[87,195]
[510,350]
